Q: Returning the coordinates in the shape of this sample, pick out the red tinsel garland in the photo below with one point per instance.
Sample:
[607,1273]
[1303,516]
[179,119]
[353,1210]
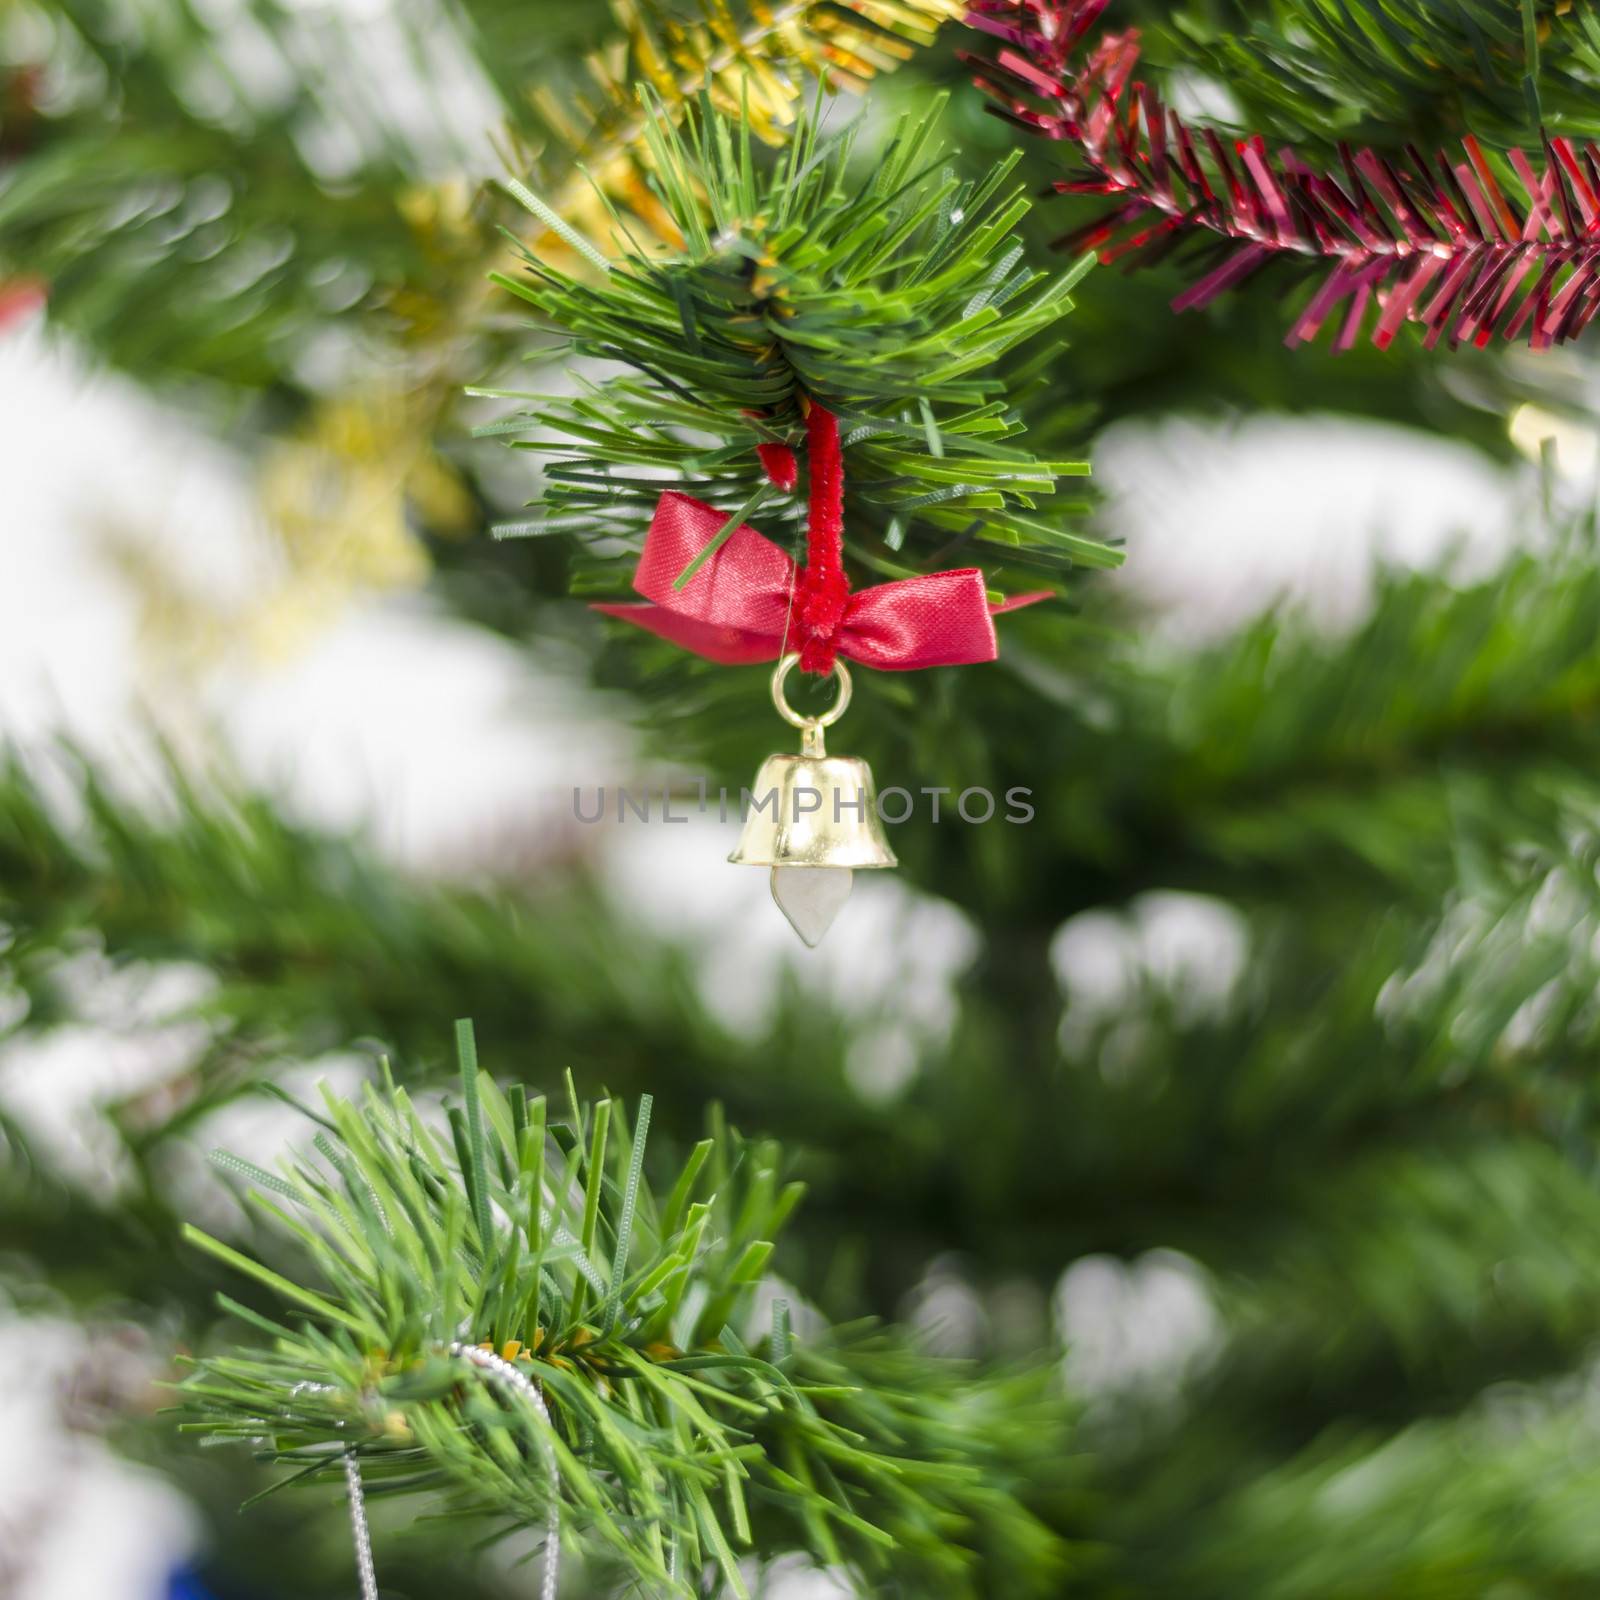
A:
[1442,244]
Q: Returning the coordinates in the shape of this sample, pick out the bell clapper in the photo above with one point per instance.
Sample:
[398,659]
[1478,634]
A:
[813,818]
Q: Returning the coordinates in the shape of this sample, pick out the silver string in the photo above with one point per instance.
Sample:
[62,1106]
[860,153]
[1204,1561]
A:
[487,1361]
[359,1528]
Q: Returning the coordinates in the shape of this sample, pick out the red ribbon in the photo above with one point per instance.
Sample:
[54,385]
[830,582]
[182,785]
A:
[737,609]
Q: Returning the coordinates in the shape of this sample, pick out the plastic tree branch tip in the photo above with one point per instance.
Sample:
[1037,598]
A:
[628,1394]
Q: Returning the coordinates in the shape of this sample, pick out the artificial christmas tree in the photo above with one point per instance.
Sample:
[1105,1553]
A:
[1360,1132]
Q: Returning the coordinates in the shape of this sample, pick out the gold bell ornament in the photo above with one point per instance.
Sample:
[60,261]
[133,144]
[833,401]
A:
[731,595]
[812,819]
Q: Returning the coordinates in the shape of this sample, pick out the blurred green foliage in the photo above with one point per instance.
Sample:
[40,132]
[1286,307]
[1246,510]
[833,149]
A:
[1390,72]
[1375,1134]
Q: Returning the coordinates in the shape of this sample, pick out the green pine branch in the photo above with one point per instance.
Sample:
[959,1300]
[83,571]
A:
[1359,798]
[1494,1495]
[316,941]
[176,210]
[683,1434]
[887,297]
[1481,1191]
[1383,73]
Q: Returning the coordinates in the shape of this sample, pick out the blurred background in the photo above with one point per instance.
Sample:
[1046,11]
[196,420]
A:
[1250,1084]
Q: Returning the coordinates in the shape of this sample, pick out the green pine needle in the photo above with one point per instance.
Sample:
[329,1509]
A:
[893,299]
[671,1432]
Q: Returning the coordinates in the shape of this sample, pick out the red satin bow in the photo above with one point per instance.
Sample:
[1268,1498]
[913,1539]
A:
[737,608]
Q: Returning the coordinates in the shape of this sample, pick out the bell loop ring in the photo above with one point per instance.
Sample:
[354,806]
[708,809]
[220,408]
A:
[791,716]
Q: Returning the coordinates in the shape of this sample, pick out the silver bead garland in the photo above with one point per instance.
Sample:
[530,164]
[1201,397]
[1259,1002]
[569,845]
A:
[488,1361]
[359,1529]
[526,1389]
